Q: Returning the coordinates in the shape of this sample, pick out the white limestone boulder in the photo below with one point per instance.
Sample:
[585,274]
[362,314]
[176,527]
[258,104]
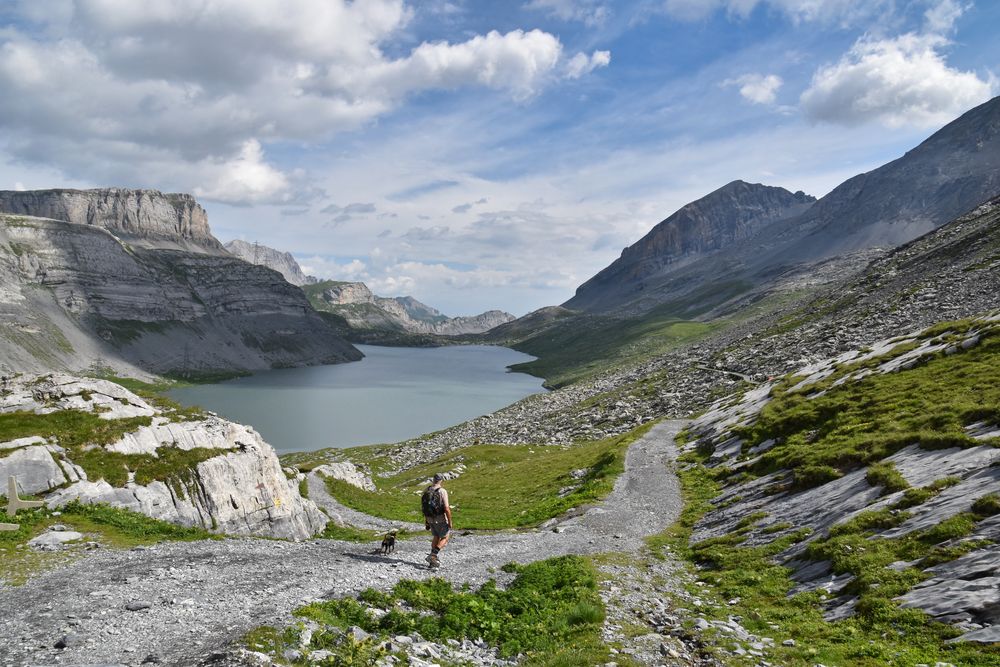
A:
[35,469]
[346,471]
[241,491]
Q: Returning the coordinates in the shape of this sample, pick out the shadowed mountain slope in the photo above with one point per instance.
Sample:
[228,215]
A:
[743,236]
[727,216]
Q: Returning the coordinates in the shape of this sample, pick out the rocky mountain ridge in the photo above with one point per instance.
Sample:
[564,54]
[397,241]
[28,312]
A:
[719,220]
[362,309]
[144,218]
[954,170]
[282,262]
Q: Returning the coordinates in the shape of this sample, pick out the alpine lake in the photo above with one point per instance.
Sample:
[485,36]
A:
[393,394]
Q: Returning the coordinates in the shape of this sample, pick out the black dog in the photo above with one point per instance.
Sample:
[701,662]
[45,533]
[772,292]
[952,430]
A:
[388,544]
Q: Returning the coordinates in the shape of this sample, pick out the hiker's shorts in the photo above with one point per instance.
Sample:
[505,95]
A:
[439,526]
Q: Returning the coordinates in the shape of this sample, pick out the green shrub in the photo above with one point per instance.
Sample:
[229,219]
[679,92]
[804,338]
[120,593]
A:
[912,497]
[809,476]
[549,606]
[988,505]
[951,528]
[884,474]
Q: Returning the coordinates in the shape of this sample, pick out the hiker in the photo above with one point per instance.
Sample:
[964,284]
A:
[437,517]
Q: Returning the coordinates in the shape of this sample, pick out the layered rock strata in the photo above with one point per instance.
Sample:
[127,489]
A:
[74,294]
[147,218]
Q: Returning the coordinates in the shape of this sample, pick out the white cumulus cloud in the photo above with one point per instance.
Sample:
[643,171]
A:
[581,63]
[899,81]
[190,94]
[757,88]
[246,178]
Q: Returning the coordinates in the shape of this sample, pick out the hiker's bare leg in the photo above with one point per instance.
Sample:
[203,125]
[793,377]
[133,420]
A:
[442,541]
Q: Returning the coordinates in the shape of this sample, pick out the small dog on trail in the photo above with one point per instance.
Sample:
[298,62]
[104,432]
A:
[388,544]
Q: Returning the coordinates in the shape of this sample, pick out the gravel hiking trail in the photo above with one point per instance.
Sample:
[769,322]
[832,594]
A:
[182,602]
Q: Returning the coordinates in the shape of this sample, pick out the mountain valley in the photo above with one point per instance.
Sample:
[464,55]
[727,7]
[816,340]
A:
[772,439]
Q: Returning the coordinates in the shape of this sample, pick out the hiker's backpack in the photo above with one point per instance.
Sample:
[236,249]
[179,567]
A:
[431,502]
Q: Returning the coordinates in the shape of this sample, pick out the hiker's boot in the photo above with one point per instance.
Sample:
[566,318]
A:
[433,561]
[430,559]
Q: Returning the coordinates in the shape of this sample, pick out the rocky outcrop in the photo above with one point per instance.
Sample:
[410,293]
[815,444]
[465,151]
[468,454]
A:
[146,218]
[769,507]
[282,262]
[337,293]
[346,471]
[364,310]
[241,490]
[72,294]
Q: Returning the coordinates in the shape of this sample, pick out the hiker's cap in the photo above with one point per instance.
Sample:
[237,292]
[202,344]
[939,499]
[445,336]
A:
[438,477]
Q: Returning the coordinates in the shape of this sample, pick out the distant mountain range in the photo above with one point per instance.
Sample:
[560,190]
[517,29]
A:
[744,236]
[365,317]
[362,309]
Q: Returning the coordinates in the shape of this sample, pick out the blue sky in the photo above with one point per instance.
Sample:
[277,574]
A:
[474,154]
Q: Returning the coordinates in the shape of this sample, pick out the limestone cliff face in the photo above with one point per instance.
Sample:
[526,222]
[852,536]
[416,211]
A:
[72,294]
[240,491]
[338,293]
[364,310]
[146,218]
[282,262]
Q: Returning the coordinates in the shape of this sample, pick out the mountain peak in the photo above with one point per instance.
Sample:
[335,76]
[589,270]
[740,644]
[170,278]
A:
[950,172]
[717,220]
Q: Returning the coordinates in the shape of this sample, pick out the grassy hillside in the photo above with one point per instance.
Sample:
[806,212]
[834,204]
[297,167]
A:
[576,349]
[573,346]
[848,422]
[548,481]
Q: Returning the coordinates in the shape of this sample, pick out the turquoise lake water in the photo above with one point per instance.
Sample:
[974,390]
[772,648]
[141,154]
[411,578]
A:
[393,394]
